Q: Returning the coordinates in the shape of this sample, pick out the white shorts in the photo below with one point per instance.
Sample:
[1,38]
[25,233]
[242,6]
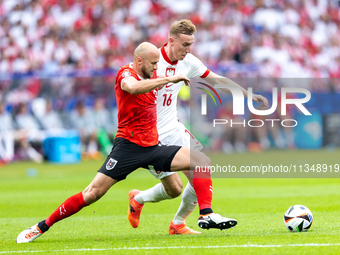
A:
[179,136]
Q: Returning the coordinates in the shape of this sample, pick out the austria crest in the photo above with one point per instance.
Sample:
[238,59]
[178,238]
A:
[126,73]
[111,164]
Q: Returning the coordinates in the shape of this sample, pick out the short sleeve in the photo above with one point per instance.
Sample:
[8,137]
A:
[198,69]
[126,73]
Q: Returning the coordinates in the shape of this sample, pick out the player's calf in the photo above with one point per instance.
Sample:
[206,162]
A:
[173,185]
[198,160]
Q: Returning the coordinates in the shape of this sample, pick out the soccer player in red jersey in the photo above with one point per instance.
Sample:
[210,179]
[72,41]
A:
[137,137]
[176,57]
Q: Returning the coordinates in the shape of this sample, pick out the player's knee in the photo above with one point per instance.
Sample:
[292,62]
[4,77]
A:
[202,160]
[91,196]
[175,192]
[207,161]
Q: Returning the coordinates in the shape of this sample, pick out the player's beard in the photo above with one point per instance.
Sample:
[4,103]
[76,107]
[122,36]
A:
[146,75]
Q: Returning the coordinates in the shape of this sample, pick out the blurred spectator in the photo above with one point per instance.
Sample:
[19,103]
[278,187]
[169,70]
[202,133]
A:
[232,136]
[6,135]
[281,137]
[82,120]
[29,131]
[49,119]
[104,125]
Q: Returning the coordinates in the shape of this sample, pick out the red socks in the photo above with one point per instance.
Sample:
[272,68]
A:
[202,184]
[71,206]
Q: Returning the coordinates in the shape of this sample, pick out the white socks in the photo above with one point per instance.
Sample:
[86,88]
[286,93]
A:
[188,205]
[158,193]
[155,194]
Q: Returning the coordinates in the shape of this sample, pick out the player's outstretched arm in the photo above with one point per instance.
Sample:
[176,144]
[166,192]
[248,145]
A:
[214,79]
[136,87]
[180,77]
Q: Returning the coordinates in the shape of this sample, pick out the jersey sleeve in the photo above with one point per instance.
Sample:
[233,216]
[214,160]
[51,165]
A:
[198,69]
[126,73]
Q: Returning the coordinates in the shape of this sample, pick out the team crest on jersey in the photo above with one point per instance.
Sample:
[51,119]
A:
[126,73]
[170,72]
[111,164]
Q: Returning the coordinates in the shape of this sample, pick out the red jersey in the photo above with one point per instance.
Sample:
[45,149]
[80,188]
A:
[137,116]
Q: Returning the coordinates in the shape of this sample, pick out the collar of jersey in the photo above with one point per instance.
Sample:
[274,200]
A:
[140,77]
[166,58]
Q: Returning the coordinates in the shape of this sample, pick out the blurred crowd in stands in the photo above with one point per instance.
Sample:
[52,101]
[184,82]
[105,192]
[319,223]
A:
[286,38]
[235,38]
[23,132]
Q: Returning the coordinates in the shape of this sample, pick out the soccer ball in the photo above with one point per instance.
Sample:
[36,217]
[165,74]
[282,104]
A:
[298,218]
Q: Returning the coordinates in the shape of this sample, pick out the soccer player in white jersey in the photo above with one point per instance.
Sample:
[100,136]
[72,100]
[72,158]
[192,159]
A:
[175,57]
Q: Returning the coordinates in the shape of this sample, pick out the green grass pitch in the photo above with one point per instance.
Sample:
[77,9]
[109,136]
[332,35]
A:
[102,228]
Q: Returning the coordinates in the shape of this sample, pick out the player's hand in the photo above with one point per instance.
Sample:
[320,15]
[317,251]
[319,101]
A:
[180,77]
[259,98]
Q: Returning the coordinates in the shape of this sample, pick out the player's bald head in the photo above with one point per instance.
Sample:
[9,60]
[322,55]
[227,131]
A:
[145,50]
[146,57]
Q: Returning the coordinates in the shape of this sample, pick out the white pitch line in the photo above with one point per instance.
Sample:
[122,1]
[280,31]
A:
[182,247]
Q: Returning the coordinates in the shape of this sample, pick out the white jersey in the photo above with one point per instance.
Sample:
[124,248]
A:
[179,136]
[191,67]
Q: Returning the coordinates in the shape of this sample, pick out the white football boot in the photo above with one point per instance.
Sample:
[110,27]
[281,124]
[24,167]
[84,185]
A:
[214,220]
[29,234]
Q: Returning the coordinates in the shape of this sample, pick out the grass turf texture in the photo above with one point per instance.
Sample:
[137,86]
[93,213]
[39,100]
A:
[257,204]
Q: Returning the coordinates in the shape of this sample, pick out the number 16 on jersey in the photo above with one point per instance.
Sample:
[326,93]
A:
[167,99]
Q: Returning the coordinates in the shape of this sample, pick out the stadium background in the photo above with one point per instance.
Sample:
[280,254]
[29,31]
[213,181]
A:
[66,53]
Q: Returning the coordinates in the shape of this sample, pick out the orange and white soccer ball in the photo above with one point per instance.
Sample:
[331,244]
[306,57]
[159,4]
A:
[298,218]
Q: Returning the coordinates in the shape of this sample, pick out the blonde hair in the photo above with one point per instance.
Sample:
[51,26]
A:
[183,26]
